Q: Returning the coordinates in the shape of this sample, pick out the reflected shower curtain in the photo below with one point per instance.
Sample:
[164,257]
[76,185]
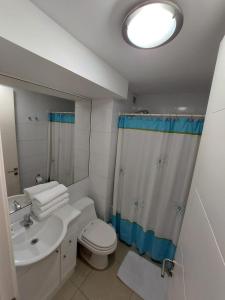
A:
[61,147]
[154,167]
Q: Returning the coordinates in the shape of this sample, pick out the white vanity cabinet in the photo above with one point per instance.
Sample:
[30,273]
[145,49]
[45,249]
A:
[68,252]
[40,280]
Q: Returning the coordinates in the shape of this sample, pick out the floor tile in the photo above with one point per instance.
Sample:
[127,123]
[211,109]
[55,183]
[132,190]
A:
[121,252]
[102,285]
[79,296]
[82,270]
[135,297]
[66,292]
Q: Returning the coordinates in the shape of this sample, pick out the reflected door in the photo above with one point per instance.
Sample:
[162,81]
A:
[8,132]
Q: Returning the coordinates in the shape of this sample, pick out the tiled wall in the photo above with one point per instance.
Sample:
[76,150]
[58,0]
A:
[82,139]
[103,151]
[201,249]
[32,136]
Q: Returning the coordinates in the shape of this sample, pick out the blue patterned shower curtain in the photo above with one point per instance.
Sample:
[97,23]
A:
[61,147]
[154,167]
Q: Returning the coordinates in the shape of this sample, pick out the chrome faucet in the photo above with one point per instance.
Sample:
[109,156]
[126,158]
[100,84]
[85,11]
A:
[167,267]
[17,205]
[27,222]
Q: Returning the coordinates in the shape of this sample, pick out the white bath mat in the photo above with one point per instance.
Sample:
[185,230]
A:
[143,277]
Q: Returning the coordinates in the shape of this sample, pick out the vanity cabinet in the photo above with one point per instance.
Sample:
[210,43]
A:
[40,280]
[68,254]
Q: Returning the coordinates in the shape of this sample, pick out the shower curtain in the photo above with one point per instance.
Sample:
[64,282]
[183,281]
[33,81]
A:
[154,167]
[61,147]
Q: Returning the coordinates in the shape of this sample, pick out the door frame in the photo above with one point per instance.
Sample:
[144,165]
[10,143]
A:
[8,280]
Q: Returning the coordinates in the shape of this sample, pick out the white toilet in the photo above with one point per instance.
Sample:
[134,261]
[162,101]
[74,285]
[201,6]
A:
[97,238]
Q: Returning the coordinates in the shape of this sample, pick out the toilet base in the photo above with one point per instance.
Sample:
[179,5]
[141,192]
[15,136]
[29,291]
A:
[99,262]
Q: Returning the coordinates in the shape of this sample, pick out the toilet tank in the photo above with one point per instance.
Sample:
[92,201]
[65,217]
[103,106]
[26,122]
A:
[87,208]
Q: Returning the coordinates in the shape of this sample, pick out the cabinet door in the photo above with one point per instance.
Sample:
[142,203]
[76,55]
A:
[39,280]
[68,254]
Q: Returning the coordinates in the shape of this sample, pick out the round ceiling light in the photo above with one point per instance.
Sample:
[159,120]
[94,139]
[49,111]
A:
[152,24]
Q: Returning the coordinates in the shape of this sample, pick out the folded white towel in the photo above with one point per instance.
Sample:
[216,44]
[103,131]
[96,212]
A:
[40,208]
[49,195]
[47,212]
[31,191]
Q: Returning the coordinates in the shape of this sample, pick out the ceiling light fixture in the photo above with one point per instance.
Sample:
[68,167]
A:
[152,24]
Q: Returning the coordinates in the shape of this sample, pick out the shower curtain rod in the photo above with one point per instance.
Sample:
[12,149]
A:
[164,115]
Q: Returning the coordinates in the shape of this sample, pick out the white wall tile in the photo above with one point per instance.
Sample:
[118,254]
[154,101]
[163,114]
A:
[98,184]
[82,138]
[99,163]
[83,114]
[209,174]
[176,285]
[216,99]
[204,268]
[101,118]
[78,190]
[103,152]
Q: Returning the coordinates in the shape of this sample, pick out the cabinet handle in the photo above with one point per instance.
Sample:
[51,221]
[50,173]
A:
[70,241]
[57,251]
[64,256]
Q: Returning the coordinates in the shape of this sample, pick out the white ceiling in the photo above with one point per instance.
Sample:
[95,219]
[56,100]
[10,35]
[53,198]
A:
[185,64]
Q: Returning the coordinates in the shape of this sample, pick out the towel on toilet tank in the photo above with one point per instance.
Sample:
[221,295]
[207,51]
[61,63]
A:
[32,191]
[49,195]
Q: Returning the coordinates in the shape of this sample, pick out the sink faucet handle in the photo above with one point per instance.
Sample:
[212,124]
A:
[17,205]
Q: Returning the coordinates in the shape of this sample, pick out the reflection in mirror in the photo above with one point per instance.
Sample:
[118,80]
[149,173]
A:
[44,138]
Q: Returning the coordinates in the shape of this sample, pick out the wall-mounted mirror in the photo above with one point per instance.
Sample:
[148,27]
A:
[44,138]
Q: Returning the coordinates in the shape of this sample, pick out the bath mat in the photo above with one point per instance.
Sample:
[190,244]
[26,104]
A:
[143,277]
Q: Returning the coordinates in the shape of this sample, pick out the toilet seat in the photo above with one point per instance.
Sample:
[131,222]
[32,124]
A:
[99,237]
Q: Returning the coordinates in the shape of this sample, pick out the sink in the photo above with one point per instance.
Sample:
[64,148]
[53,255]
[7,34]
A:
[39,240]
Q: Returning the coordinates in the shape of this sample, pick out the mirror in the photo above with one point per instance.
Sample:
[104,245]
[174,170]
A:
[44,138]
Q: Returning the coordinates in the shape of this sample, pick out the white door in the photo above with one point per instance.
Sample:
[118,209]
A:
[8,132]
[8,282]
[200,272]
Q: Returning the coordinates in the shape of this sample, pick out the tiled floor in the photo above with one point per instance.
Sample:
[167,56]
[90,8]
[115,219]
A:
[89,284]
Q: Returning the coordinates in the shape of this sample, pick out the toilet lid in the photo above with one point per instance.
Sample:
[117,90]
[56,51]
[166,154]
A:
[99,234]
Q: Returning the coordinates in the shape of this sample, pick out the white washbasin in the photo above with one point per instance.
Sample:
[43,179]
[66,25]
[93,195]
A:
[39,240]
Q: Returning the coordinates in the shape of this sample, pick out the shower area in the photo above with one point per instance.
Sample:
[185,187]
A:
[155,161]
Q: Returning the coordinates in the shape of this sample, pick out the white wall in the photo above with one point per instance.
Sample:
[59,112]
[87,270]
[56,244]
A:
[196,103]
[201,248]
[24,24]
[82,139]
[103,151]
[32,136]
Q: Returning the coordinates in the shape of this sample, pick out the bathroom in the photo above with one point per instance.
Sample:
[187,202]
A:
[111,163]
